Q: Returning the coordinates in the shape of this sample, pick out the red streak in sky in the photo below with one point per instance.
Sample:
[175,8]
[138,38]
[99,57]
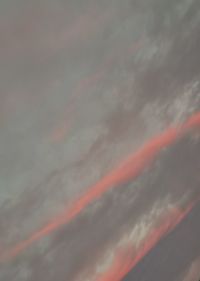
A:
[126,260]
[127,171]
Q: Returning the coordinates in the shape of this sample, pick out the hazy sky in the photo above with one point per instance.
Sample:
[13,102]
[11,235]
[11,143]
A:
[83,85]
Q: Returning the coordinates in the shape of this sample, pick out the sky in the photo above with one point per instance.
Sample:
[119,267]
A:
[88,183]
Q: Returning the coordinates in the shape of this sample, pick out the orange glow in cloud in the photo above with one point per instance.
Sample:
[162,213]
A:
[127,171]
